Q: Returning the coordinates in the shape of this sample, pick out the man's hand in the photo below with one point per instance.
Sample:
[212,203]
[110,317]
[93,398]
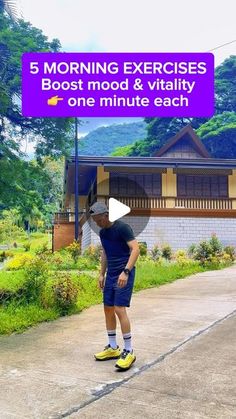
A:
[101,281]
[122,280]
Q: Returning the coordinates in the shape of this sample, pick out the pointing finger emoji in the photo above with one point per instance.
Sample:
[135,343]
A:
[53,101]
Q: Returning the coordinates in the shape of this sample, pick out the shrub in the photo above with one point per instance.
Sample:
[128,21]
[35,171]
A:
[182,258]
[18,262]
[192,249]
[84,263]
[203,251]
[3,256]
[26,246]
[74,249]
[216,246]
[93,252]
[65,292]
[230,250]
[61,260]
[211,252]
[43,250]
[143,248]
[36,272]
[166,252]
[156,252]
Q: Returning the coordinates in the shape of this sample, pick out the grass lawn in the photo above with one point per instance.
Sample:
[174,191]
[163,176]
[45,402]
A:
[36,240]
[17,318]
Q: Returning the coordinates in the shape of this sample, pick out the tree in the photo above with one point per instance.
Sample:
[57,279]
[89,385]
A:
[219,135]
[225,85]
[8,6]
[218,139]
[52,135]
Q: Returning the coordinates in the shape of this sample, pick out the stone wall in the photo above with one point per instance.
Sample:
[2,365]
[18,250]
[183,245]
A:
[178,232]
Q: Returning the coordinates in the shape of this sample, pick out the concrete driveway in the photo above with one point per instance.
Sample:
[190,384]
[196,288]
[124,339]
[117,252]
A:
[184,337]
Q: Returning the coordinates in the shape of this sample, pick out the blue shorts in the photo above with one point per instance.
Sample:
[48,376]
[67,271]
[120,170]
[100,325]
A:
[117,296]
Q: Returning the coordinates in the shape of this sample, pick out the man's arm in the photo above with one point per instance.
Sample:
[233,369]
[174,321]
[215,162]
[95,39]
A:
[134,247]
[103,269]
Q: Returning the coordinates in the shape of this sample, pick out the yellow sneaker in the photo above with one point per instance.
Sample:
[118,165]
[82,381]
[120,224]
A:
[108,353]
[126,360]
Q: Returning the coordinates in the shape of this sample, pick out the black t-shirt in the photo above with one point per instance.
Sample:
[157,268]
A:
[114,241]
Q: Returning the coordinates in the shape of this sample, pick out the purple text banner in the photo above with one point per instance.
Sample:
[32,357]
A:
[117,84]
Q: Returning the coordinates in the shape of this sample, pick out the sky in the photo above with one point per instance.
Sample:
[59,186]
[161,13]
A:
[135,26]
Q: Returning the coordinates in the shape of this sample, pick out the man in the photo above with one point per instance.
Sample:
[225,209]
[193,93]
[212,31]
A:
[120,253]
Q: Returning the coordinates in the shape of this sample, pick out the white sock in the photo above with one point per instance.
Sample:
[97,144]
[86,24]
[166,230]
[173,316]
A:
[112,338]
[127,342]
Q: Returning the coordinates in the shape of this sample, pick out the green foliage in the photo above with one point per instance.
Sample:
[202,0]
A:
[74,249]
[93,253]
[9,231]
[18,261]
[35,189]
[216,245]
[143,248]
[3,256]
[43,250]
[203,251]
[191,249]
[65,292]
[122,151]
[15,318]
[166,252]
[11,280]
[36,272]
[156,252]
[15,39]
[181,258]
[219,135]
[152,274]
[105,140]
[84,264]
[225,85]
[27,246]
[230,250]
[210,252]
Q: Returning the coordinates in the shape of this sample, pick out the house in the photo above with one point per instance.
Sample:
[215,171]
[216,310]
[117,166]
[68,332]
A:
[183,192]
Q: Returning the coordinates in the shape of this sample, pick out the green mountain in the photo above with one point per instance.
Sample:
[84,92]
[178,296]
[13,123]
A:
[104,140]
[217,133]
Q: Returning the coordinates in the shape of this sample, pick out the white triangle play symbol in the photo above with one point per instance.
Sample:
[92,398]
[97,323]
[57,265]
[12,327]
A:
[117,209]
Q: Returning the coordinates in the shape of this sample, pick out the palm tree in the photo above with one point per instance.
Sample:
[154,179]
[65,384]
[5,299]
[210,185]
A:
[9,6]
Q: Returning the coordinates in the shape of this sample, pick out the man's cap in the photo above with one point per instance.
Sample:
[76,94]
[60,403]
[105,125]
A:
[98,208]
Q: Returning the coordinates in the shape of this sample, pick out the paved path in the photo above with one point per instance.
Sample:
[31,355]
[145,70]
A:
[185,342]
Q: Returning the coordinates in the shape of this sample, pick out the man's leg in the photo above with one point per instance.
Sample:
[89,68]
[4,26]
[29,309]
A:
[111,325]
[125,326]
[127,357]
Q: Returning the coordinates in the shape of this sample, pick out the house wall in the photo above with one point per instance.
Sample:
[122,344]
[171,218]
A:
[178,232]
[88,237]
[63,235]
[82,202]
[181,232]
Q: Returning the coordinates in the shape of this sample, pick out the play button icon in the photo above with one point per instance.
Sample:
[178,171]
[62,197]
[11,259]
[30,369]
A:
[130,201]
[117,209]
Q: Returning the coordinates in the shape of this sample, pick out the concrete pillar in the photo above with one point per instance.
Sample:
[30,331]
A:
[232,187]
[169,187]
[102,181]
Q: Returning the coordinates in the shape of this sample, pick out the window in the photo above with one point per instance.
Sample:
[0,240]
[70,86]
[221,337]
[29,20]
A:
[127,184]
[202,186]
